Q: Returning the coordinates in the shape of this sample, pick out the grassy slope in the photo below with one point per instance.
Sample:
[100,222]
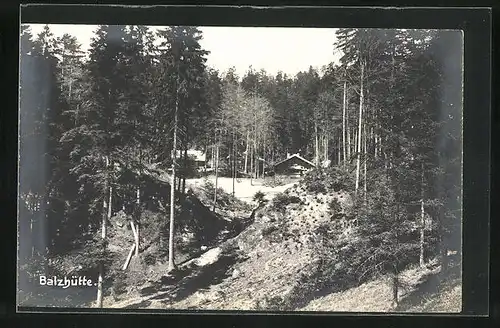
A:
[417,295]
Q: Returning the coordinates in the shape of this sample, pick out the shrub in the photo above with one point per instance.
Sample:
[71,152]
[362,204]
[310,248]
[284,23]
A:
[149,259]
[269,230]
[282,200]
[335,208]
[274,181]
[316,186]
[329,179]
[33,268]
[119,284]
[259,197]
[86,259]
[275,303]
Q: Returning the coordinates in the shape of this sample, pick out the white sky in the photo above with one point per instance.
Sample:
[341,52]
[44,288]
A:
[286,49]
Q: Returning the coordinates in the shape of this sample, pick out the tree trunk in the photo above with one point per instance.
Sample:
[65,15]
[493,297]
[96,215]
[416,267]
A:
[348,129]
[324,144]
[251,162]
[384,153]
[212,163]
[371,143]
[364,163]
[171,264]
[110,205]
[264,146]
[422,219]
[344,121]
[185,170]
[354,142]
[179,179]
[255,155]
[379,143]
[99,285]
[246,153]
[348,144]
[137,219]
[255,160]
[216,175]
[395,288]
[205,151]
[233,169]
[316,144]
[361,96]
[105,216]
[395,273]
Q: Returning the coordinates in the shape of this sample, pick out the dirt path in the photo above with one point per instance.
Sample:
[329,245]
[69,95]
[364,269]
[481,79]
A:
[244,188]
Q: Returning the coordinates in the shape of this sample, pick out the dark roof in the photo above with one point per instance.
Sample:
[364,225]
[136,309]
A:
[296,156]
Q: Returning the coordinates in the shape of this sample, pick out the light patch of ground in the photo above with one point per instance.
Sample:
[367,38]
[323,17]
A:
[374,296]
[244,188]
[208,258]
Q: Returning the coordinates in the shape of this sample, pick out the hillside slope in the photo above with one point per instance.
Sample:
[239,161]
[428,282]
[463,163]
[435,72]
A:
[415,294]
[264,267]
[277,263]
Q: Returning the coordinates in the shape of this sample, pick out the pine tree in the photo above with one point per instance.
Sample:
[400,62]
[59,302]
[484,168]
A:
[95,139]
[183,68]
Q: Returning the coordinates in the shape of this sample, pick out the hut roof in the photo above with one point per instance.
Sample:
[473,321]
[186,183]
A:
[295,156]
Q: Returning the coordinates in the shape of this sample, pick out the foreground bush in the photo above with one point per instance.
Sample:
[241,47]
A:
[330,179]
[282,200]
[259,197]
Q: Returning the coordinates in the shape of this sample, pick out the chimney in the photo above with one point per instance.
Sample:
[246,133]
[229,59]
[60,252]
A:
[287,155]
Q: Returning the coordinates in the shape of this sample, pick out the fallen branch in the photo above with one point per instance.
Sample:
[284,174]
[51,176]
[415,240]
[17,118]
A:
[133,229]
[125,266]
[136,236]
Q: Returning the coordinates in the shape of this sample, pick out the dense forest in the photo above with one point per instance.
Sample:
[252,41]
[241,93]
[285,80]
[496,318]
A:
[387,118]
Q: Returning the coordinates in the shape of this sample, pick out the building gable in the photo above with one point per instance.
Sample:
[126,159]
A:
[294,163]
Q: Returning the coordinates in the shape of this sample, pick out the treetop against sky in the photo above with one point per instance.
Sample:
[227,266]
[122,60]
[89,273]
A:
[274,49]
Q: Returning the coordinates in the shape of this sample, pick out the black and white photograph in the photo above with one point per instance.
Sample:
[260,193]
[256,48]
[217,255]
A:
[297,169]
